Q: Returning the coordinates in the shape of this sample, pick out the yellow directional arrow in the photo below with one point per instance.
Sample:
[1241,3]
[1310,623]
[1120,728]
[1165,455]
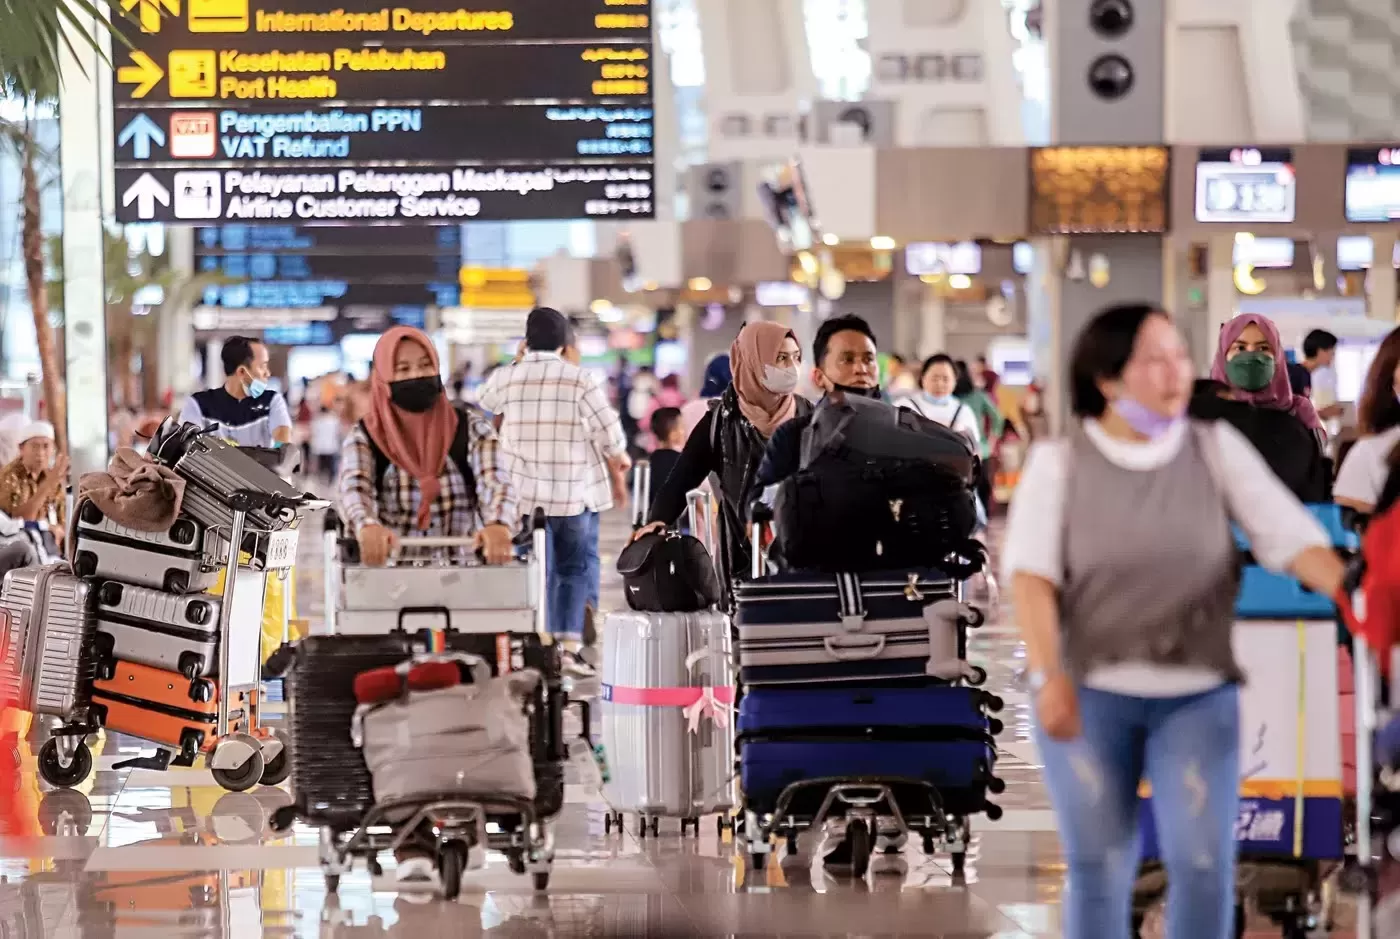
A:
[144,74]
[150,12]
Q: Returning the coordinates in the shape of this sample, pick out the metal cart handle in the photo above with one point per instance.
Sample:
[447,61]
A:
[436,542]
[442,611]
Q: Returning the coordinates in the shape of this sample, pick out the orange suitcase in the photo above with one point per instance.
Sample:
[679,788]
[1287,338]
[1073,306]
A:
[163,707]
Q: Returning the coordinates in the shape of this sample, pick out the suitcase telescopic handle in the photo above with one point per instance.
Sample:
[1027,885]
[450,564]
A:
[641,493]
[407,611]
[759,515]
[854,647]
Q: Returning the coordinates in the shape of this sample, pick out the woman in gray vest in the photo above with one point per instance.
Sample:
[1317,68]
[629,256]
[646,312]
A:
[1122,571]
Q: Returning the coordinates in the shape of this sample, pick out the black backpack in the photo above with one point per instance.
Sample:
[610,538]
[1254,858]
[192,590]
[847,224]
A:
[880,488]
[458,452]
[667,572]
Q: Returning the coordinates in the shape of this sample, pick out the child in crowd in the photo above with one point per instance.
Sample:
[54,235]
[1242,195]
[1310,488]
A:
[666,426]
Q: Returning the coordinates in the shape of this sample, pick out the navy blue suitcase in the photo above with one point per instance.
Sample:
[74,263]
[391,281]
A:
[939,734]
[802,627]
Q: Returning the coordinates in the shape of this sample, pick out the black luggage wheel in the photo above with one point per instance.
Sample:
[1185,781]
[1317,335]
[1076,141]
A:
[55,773]
[191,666]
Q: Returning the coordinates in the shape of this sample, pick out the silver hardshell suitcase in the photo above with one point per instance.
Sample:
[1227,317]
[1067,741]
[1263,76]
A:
[177,560]
[667,702]
[163,630]
[216,471]
[48,659]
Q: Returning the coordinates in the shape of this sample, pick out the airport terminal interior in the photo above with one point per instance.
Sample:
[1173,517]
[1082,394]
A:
[690,221]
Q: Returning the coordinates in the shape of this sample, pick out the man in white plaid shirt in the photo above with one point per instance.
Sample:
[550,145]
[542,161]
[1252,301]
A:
[553,419]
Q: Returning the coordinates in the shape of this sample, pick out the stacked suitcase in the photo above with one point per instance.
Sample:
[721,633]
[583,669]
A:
[857,694]
[126,637]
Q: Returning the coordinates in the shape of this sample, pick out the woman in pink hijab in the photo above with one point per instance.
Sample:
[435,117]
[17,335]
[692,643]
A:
[1260,403]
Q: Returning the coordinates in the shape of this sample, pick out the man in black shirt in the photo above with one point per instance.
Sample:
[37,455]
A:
[243,409]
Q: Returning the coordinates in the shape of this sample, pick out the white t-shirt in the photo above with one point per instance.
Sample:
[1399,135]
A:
[1364,471]
[952,414]
[1278,527]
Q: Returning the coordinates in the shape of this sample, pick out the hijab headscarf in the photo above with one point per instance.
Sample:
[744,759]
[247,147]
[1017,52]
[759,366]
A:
[1278,395]
[416,443]
[757,345]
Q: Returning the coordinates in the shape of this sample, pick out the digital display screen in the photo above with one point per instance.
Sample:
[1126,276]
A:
[1246,184]
[1373,184]
[255,111]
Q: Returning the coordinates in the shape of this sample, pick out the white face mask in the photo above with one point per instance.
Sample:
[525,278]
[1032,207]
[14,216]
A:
[780,381]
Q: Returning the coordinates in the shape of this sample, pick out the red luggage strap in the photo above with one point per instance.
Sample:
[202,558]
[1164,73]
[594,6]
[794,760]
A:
[697,701]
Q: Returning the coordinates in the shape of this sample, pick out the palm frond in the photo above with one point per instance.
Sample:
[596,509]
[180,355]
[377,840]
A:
[35,33]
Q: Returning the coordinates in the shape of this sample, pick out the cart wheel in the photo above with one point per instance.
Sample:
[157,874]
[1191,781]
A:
[959,863]
[516,859]
[655,826]
[541,880]
[281,766]
[858,838]
[283,818]
[607,823]
[332,883]
[451,862]
[928,843]
[55,773]
[240,778]
[720,826]
[641,826]
[758,860]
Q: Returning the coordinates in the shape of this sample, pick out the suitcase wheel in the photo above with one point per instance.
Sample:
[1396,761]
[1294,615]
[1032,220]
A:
[199,612]
[91,514]
[979,676]
[107,668]
[183,532]
[201,691]
[191,666]
[177,581]
[56,774]
[85,564]
[110,594]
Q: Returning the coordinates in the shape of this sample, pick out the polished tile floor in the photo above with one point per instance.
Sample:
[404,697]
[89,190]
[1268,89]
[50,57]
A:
[157,854]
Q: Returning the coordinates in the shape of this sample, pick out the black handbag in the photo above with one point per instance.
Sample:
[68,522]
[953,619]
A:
[667,572]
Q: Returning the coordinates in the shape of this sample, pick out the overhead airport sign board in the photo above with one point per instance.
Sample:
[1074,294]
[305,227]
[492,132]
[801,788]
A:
[240,110]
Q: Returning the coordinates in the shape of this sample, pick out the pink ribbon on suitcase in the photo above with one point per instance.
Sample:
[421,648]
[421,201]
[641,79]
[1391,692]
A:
[697,702]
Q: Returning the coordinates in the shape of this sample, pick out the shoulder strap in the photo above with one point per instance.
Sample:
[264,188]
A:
[956,414]
[381,460]
[716,406]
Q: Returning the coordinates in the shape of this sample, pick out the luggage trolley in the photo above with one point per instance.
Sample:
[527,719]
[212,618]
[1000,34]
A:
[1291,833]
[884,802]
[352,825]
[240,753]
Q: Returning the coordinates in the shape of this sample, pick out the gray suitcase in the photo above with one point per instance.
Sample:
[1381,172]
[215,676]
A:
[177,560]
[668,692]
[48,661]
[216,470]
[163,630]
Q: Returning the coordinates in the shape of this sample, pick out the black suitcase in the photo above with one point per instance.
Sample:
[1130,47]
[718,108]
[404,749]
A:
[330,781]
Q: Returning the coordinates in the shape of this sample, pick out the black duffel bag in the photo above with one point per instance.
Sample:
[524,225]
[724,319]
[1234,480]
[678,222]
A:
[854,516]
[667,572]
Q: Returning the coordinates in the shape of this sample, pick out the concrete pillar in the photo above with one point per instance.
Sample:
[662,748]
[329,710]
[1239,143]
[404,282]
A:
[175,355]
[1221,295]
[84,135]
[933,310]
[1080,116]
[1380,293]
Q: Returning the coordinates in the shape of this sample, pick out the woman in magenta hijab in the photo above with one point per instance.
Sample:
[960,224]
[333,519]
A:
[1259,402]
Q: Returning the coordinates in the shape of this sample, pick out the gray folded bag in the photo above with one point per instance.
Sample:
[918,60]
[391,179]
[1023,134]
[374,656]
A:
[468,740]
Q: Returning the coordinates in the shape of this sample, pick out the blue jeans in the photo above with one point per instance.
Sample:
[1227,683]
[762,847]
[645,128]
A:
[572,553]
[1189,750]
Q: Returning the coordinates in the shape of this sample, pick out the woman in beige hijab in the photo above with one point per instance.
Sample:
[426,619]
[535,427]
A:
[728,443]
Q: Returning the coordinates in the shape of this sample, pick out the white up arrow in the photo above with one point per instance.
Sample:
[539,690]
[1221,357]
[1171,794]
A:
[146,192]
